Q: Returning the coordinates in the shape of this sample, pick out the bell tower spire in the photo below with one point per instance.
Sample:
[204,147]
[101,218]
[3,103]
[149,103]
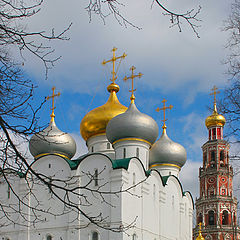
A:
[216,208]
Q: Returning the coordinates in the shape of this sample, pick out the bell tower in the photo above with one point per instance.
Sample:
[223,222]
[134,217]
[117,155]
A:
[216,207]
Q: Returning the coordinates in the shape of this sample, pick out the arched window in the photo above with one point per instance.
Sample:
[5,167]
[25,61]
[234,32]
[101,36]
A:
[92,149]
[49,237]
[134,237]
[95,236]
[108,145]
[225,217]
[200,218]
[211,220]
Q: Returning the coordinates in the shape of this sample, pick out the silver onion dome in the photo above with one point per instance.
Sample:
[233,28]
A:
[165,151]
[52,141]
[132,124]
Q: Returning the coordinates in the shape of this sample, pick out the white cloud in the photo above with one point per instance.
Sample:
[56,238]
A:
[189,177]
[162,54]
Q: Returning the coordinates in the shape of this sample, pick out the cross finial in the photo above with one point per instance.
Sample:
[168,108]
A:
[52,97]
[215,92]
[164,112]
[132,77]
[113,60]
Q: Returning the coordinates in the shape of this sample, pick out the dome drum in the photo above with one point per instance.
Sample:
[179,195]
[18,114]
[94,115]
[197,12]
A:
[100,144]
[133,148]
[167,169]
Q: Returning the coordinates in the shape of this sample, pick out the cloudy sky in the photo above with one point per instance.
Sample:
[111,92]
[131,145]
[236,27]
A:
[177,66]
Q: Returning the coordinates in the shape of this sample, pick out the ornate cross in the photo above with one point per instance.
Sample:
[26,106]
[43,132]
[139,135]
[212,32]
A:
[215,92]
[52,97]
[113,60]
[164,112]
[132,77]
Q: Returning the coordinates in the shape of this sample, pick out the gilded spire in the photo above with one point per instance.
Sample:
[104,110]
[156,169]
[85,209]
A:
[53,107]
[200,237]
[164,108]
[132,77]
[113,60]
[214,93]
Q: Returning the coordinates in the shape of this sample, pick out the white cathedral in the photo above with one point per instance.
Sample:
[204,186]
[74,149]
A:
[126,187]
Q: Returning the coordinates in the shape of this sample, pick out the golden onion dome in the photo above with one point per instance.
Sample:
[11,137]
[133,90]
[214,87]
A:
[215,119]
[200,237]
[95,122]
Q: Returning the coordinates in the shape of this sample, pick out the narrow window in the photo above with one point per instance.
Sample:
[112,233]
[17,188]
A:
[108,145]
[225,217]
[222,155]
[95,236]
[8,192]
[214,133]
[204,159]
[134,179]
[124,152]
[134,237]
[50,185]
[218,133]
[211,217]
[154,191]
[95,177]
[49,165]
[210,134]
[92,149]
[137,152]
[212,159]
[49,237]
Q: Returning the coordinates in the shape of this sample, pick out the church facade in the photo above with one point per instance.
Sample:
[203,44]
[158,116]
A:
[125,188]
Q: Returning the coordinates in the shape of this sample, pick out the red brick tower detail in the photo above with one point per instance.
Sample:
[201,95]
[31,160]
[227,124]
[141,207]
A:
[216,207]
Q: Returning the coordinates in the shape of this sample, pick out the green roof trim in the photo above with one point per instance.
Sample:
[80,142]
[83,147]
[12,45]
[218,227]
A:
[164,179]
[21,174]
[148,172]
[72,164]
[121,163]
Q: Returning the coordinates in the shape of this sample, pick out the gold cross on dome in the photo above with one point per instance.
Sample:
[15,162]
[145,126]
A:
[200,226]
[164,112]
[52,97]
[132,77]
[214,92]
[113,60]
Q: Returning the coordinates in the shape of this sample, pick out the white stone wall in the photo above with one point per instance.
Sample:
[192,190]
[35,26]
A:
[153,211]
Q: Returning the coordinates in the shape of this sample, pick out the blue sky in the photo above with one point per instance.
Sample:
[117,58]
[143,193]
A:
[176,66]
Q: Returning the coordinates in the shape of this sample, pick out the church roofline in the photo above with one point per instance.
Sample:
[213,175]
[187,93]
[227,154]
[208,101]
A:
[118,164]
